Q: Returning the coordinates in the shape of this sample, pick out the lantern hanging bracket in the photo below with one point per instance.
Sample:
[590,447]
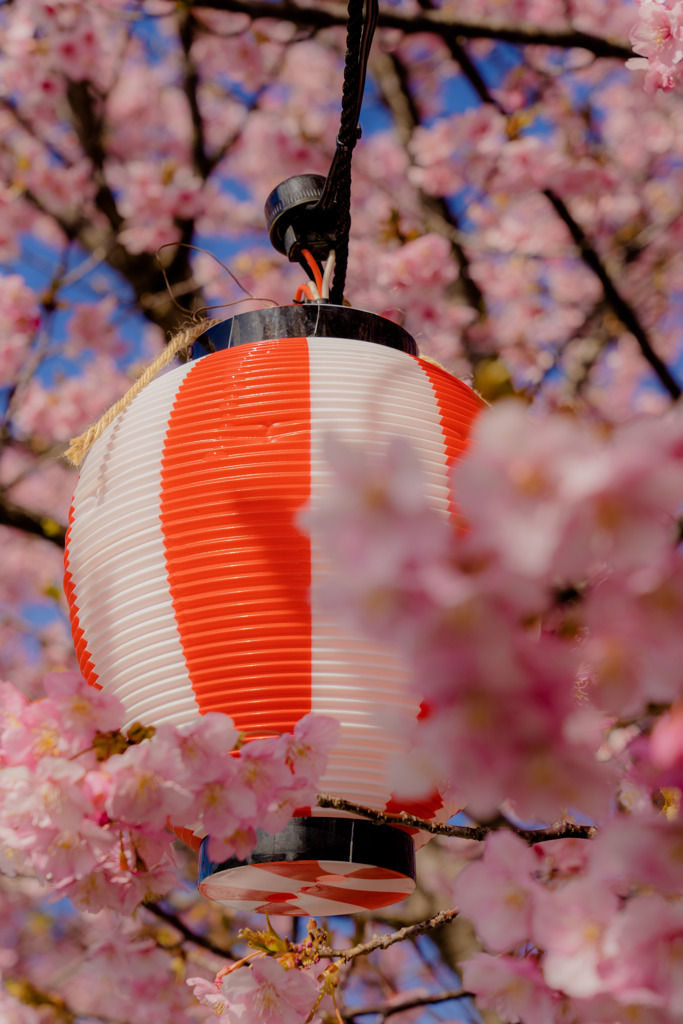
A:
[309,211]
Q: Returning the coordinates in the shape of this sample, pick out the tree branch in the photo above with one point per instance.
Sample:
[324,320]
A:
[587,252]
[439,22]
[31,522]
[392,80]
[187,933]
[384,941]
[201,161]
[140,270]
[623,310]
[560,830]
[24,991]
[388,1009]
[87,119]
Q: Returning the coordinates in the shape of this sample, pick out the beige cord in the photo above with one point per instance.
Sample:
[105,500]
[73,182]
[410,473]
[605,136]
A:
[181,341]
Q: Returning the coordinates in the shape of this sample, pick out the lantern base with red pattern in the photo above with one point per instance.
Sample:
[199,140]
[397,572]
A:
[315,867]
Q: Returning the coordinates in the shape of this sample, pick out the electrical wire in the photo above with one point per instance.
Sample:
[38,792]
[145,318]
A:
[303,290]
[315,269]
[327,276]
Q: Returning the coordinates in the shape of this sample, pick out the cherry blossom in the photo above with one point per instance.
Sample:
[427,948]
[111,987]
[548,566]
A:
[266,992]
[498,893]
[19,319]
[87,807]
[657,37]
[514,988]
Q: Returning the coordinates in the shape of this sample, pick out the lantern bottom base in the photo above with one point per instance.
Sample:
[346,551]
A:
[315,867]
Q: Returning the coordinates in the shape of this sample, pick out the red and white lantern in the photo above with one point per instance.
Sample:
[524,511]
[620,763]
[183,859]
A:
[189,578]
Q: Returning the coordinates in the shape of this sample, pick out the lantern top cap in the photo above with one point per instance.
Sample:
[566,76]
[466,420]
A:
[304,321]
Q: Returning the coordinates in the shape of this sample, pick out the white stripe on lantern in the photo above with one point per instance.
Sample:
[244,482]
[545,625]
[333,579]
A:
[367,394]
[121,588]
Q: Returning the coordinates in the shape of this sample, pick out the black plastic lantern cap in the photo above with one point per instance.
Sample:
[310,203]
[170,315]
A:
[294,222]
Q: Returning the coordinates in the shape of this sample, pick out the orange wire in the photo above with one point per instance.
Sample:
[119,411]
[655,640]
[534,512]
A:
[317,276]
[303,289]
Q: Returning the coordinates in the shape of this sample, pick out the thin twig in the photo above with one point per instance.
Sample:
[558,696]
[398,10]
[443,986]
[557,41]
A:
[384,941]
[388,1009]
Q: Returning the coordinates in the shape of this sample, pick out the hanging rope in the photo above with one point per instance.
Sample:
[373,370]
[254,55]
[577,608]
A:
[180,342]
[362,21]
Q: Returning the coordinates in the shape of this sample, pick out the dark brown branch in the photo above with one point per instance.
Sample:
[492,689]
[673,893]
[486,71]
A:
[387,1010]
[467,65]
[392,79]
[204,161]
[87,119]
[31,522]
[201,161]
[139,270]
[560,830]
[614,297]
[24,122]
[440,22]
[187,933]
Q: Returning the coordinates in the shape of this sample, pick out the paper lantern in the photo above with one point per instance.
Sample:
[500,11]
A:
[189,579]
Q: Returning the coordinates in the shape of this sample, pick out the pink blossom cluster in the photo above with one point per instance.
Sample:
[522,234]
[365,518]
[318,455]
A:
[91,328]
[125,970]
[584,931]
[19,319]
[532,630]
[58,412]
[93,960]
[658,37]
[31,586]
[151,196]
[87,807]
[274,982]
[263,991]
[69,38]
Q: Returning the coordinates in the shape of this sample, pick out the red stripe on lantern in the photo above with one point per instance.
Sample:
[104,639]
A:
[458,407]
[84,656]
[235,473]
